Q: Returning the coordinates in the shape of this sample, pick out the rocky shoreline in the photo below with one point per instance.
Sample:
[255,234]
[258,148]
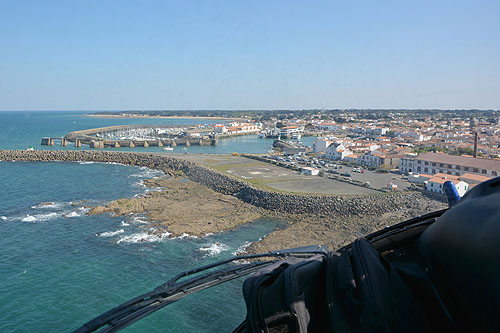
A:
[313,218]
[183,207]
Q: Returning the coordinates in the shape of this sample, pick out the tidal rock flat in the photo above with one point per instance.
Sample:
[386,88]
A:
[182,207]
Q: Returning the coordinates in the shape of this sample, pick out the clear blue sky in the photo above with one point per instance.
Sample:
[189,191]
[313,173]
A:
[255,54]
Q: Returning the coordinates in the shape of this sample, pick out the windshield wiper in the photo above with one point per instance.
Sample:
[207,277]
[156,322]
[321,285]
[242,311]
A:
[173,290]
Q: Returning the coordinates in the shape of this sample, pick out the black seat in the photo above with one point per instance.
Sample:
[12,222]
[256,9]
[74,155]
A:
[461,254]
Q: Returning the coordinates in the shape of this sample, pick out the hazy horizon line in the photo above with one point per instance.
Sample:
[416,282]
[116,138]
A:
[249,110]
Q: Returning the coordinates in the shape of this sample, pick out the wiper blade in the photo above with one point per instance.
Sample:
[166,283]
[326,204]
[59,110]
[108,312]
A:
[173,290]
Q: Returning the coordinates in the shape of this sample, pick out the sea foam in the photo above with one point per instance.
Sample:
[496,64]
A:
[185,235]
[242,249]
[53,205]
[111,233]
[147,173]
[72,214]
[143,237]
[40,217]
[214,249]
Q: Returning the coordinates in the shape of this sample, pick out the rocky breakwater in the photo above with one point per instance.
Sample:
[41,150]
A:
[312,219]
[327,205]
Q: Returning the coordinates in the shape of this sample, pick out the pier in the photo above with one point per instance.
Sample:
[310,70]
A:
[97,137]
[48,141]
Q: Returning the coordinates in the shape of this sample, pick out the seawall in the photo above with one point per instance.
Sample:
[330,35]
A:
[326,205]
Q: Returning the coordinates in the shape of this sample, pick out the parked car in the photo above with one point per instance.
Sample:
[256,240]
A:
[346,174]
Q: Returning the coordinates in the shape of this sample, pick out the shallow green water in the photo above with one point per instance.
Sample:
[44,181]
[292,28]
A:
[59,267]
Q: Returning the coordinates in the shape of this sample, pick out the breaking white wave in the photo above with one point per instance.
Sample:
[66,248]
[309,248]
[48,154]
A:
[110,233]
[214,249]
[4,218]
[53,205]
[143,237]
[242,249]
[123,224]
[91,162]
[147,173]
[40,217]
[137,219]
[72,214]
[140,184]
[28,218]
[184,235]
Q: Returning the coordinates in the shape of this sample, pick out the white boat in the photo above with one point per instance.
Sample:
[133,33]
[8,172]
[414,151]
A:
[168,148]
[184,149]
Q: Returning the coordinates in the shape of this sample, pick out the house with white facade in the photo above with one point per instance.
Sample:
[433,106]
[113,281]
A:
[337,151]
[377,130]
[331,126]
[371,159]
[220,129]
[289,131]
[320,145]
[407,164]
[436,183]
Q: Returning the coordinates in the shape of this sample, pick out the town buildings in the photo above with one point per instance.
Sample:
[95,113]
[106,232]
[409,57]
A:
[432,163]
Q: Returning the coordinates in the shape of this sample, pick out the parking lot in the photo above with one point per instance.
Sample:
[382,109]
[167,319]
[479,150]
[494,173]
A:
[274,177]
[376,180]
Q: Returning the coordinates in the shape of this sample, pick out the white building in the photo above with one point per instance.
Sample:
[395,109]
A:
[219,128]
[337,152]
[436,183]
[371,159]
[407,164]
[291,130]
[377,130]
[432,163]
[332,126]
[320,145]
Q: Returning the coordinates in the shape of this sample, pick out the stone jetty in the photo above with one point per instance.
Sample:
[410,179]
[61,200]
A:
[317,204]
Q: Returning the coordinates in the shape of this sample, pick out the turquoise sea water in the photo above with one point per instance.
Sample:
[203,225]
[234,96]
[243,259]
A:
[19,130]
[59,267]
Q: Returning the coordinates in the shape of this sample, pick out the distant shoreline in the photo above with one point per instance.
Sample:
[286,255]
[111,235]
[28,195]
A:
[152,117]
